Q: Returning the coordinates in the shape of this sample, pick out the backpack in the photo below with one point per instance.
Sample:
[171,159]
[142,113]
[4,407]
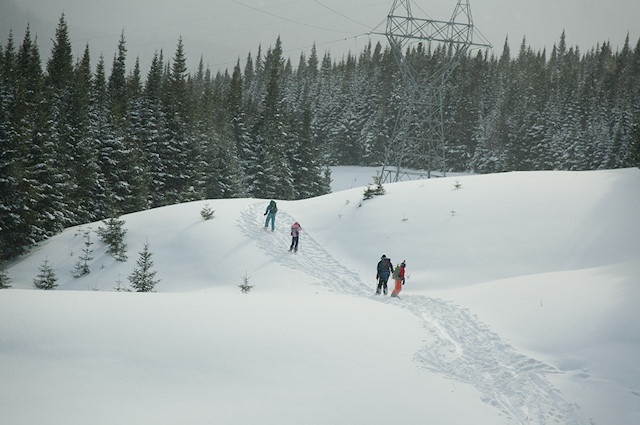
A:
[396,272]
[272,207]
[383,267]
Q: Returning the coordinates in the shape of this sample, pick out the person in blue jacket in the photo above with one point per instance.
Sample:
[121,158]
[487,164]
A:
[271,211]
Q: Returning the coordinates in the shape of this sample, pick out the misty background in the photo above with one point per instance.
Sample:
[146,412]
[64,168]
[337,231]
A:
[223,31]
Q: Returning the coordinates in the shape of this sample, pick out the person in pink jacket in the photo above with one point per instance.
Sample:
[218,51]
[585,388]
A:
[398,275]
[295,237]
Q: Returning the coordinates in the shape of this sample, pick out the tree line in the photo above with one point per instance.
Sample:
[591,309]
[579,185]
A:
[79,145]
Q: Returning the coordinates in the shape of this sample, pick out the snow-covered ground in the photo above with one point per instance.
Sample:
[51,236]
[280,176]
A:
[520,307]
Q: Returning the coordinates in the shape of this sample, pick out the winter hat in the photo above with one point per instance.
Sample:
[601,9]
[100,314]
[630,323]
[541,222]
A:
[383,257]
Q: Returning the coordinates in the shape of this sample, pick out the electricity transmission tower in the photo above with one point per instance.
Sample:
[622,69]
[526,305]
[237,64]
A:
[418,134]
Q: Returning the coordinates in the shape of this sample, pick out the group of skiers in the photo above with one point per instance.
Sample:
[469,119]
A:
[385,268]
[271,211]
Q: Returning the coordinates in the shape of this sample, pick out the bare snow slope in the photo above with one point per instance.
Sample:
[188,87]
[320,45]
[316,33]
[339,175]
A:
[520,293]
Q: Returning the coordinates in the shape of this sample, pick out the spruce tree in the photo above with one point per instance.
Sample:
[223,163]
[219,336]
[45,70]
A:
[238,121]
[82,265]
[64,136]
[5,282]
[178,153]
[85,168]
[274,176]
[12,196]
[220,170]
[120,162]
[137,141]
[142,278]
[117,84]
[113,235]
[46,278]
[305,159]
[153,134]
[29,177]
[99,131]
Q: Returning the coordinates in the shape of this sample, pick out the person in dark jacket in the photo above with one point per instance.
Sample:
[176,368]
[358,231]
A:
[382,276]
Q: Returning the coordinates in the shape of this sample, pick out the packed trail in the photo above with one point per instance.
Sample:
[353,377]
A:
[459,347]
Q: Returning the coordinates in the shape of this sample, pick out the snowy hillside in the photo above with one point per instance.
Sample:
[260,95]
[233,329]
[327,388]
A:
[520,307]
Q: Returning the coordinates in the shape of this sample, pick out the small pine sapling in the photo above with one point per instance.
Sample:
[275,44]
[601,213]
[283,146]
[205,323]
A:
[120,286]
[206,212]
[142,278]
[46,279]
[245,288]
[113,235]
[378,190]
[5,282]
[368,193]
[82,266]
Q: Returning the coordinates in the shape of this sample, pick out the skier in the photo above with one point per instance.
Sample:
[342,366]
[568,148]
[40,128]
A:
[295,237]
[271,211]
[384,270]
[398,275]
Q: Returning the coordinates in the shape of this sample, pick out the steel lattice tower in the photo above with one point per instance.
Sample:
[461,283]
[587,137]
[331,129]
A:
[418,135]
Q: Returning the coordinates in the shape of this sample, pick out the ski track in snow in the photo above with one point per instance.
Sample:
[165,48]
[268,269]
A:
[465,349]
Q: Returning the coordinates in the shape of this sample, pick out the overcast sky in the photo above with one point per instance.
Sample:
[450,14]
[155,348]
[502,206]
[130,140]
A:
[222,31]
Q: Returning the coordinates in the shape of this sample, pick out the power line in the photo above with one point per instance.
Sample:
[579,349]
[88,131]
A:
[350,36]
[293,21]
[339,13]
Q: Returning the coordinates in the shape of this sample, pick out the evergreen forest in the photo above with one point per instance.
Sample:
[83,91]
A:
[83,142]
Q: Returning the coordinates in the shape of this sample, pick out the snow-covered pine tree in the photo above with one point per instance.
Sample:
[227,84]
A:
[326,106]
[44,210]
[63,136]
[238,122]
[99,129]
[142,278]
[113,235]
[82,266]
[85,171]
[245,288]
[46,279]
[378,110]
[206,212]
[5,282]
[275,180]
[634,149]
[347,145]
[119,159]
[137,177]
[305,159]
[31,207]
[153,133]
[137,139]
[14,225]
[219,170]
[178,154]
